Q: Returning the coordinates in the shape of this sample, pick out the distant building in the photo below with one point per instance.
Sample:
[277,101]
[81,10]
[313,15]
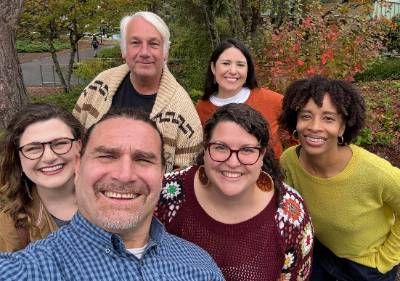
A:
[387,9]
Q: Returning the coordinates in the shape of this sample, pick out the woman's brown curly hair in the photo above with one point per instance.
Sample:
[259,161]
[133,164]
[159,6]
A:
[253,123]
[346,98]
[15,199]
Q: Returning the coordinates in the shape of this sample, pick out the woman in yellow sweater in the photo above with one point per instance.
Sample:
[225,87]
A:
[353,195]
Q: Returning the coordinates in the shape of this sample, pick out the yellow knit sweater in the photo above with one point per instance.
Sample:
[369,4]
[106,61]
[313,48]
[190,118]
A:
[354,212]
[173,111]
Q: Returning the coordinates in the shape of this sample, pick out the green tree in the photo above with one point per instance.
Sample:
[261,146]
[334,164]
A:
[52,19]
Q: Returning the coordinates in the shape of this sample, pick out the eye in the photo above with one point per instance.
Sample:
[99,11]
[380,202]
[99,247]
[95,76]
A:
[249,150]
[32,148]
[305,116]
[106,156]
[219,147]
[225,63]
[154,44]
[329,118]
[241,64]
[135,42]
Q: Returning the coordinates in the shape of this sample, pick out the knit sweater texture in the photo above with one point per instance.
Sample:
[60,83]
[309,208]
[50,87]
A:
[354,211]
[267,102]
[276,243]
[173,112]
[10,240]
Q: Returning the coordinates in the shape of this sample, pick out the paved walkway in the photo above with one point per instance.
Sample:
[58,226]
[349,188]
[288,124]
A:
[40,71]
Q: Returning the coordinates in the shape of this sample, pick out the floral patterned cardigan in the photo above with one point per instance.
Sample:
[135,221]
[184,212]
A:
[291,218]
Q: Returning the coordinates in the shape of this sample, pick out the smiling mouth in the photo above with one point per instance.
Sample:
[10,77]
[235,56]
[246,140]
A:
[118,195]
[52,169]
[315,140]
[233,175]
[231,79]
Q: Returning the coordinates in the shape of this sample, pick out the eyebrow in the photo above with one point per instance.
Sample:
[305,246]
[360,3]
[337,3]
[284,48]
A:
[107,150]
[116,151]
[144,154]
[324,112]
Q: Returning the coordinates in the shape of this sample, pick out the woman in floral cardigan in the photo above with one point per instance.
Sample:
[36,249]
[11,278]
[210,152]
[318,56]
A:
[235,205]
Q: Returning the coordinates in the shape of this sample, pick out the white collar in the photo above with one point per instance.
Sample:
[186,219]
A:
[240,97]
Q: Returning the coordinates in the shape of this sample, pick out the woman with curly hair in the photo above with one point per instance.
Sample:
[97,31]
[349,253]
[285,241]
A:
[234,204]
[38,153]
[353,195]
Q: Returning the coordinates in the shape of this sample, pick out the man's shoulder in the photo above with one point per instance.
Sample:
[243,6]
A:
[186,251]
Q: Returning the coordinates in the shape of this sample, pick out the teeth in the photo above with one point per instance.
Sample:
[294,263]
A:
[52,168]
[231,174]
[231,79]
[111,194]
[315,140]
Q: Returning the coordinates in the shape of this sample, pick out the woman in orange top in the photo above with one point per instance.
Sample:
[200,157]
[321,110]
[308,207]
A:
[231,78]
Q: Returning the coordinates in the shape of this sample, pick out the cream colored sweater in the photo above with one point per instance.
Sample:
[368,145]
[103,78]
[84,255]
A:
[173,112]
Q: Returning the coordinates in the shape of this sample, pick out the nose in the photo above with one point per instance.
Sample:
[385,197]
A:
[232,68]
[48,154]
[233,160]
[315,124]
[144,50]
[123,170]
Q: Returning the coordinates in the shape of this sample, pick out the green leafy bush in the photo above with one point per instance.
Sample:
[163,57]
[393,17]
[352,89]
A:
[112,52]
[66,100]
[88,69]
[382,69]
[28,46]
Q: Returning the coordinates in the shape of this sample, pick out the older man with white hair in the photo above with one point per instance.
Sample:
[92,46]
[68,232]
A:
[145,82]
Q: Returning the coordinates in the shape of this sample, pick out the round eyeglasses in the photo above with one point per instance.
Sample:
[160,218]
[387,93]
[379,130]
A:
[35,150]
[246,155]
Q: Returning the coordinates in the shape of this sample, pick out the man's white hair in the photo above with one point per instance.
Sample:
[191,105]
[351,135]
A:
[153,19]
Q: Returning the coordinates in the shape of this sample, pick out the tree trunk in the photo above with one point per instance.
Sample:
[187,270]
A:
[210,9]
[12,90]
[53,53]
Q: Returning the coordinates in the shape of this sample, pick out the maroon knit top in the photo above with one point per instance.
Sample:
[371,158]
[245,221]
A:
[251,250]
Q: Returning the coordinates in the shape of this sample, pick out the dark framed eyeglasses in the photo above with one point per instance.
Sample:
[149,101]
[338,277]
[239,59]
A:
[35,150]
[220,152]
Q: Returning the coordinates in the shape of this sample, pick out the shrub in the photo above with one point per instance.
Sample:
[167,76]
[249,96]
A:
[393,36]
[112,52]
[28,46]
[336,47]
[88,69]
[383,69]
[66,100]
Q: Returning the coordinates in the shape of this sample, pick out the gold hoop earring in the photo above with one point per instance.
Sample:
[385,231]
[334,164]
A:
[203,176]
[264,181]
[295,134]
[340,140]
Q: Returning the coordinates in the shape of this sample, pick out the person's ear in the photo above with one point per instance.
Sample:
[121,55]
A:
[212,65]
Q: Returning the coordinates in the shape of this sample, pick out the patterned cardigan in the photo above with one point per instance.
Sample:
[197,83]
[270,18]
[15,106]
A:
[291,218]
[173,112]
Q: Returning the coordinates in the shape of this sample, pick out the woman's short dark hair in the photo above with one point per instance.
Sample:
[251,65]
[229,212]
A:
[210,86]
[12,180]
[253,123]
[346,98]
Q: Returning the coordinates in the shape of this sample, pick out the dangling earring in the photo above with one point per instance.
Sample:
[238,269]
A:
[202,176]
[340,140]
[264,181]
[295,134]
[26,186]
